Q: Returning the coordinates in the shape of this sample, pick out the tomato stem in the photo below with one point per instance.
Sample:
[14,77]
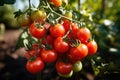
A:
[61,14]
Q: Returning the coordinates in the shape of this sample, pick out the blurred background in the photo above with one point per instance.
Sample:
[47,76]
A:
[105,26]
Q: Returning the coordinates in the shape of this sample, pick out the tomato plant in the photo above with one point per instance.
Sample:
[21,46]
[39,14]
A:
[56,35]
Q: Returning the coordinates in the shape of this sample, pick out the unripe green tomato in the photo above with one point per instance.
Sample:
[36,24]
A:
[38,16]
[66,75]
[77,66]
[23,20]
[68,14]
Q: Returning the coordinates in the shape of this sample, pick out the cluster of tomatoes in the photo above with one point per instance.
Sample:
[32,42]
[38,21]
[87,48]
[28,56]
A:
[65,44]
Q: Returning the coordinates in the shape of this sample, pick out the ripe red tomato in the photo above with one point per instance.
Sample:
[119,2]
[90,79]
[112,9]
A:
[35,66]
[79,52]
[66,25]
[48,40]
[49,56]
[74,30]
[56,3]
[32,53]
[23,20]
[57,30]
[63,68]
[92,47]
[83,34]
[36,30]
[60,45]
[38,16]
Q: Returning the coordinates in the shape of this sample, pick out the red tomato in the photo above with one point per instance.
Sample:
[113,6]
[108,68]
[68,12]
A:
[32,53]
[60,45]
[57,30]
[66,25]
[74,30]
[57,3]
[36,31]
[92,47]
[49,56]
[63,68]
[79,52]
[48,40]
[35,66]
[83,34]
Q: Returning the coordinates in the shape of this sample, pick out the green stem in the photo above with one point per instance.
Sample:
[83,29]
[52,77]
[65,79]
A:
[61,14]
[30,7]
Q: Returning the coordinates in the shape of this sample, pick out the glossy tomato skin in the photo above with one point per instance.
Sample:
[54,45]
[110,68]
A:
[66,75]
[63,68]
[92,47]
[35,66]
[60,45]
[77,66]
[48,40]
[37,32]
[74,30]
[57,30]
[23,20]
[83,34]
[49,56]
[38,16]
[66,25]
[79,52]
[56,3]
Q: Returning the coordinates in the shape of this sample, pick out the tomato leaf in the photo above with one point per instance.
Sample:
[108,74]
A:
[25,40]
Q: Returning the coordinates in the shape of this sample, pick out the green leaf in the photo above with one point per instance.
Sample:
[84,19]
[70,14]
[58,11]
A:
[25,40]
[18,13]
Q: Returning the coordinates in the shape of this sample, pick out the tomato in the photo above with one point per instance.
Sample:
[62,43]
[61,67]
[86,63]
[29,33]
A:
[83,34]
[79,52]
[63,68]
[66,25]
[23,20]
[37,30]
[32,53]
[74,30]
[35,66]
[68,14]
[77,66]
[92,47]
[66,75]
[49,56]
[38,16]
[56,3]
[48,40]
[60,45]
[57,30]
